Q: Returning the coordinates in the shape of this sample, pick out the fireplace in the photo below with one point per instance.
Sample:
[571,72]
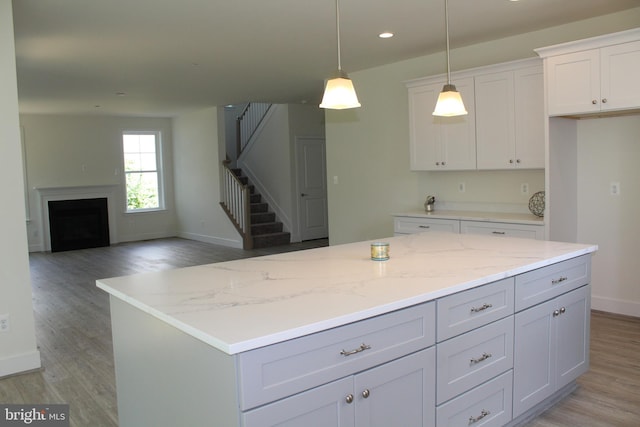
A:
[78,224]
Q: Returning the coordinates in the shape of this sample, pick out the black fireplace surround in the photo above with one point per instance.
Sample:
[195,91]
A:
[78,224]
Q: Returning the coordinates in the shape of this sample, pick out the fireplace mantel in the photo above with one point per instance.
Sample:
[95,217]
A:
[48,194]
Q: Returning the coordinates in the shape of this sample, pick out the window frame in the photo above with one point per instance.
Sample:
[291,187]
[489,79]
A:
[159,171]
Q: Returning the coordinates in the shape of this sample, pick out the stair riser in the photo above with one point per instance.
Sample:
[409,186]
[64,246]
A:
[266,228]
[260,218]
[269,240]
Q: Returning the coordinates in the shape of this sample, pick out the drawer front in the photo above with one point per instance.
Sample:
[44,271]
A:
[468,360]
[464,311]
[502,229]
[548,282]
[487,406]
[287,368]
[420,225]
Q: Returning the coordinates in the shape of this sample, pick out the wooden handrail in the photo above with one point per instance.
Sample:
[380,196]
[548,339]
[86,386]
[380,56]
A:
[236,204]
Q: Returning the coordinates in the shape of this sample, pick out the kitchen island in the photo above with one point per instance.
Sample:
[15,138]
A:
[329,337]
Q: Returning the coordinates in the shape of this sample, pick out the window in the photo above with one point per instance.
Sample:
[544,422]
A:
[142,170]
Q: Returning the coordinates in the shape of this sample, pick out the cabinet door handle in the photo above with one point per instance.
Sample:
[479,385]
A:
[594,101]
[360,349]
[483,414]
[556,313]
[481,308]
[510,160]
[424,226]
[563,310]
[349,398]
[366,393]
[482,358]
[559,280]
[517,160]
[604,100]
[499,232]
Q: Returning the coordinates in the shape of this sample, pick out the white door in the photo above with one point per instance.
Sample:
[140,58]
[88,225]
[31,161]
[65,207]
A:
[312,188]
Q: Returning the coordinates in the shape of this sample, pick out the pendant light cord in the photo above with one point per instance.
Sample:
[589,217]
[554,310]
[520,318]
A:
[338,33]
[446,26]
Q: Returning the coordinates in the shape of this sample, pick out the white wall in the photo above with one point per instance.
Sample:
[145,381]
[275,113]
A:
[18,351]
[72,151]
[196,159]
[368,147]
[609,151]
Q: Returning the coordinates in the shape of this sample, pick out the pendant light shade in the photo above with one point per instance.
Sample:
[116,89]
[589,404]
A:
[449,101]
[339,93]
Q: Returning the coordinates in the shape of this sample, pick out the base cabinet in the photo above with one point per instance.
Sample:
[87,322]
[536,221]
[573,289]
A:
[551,347]
[397,393]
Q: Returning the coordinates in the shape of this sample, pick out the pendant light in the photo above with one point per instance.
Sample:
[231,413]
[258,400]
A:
[449,101]
[339,93]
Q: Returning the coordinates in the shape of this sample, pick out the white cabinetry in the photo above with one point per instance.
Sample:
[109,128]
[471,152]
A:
[410,225]
[510,119]
[503,130]
[441,143]
[593,75]
[551,338]
[502,229]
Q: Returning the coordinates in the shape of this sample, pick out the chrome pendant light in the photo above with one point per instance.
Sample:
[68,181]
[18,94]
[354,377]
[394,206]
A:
[339,93]
[449,101]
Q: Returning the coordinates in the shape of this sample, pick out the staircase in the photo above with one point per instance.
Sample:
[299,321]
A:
[265,230]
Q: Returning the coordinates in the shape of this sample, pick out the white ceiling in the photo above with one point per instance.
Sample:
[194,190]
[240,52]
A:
[171,56]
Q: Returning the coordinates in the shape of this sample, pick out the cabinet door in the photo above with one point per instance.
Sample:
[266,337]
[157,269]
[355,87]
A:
[398,393]
[534,357]
[573,334]
[530,118]
[458,134]
[495,121]
[324,406]
[441,143]
[424,135]
[620,68]
[573,84]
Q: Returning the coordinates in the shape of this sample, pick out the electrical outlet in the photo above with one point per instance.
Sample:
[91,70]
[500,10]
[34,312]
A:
[615,189]
[524,188]
[462,187]
[4,323]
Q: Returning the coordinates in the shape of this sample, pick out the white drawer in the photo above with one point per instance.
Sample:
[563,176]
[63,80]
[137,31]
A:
[467,310]
[487,406]
[470,359]
[407,225]
[526,231]
[548,282]
[287,368]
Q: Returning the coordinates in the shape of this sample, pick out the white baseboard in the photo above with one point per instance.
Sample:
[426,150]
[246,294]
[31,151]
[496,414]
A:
[20,363]
[211,239]
[611,305]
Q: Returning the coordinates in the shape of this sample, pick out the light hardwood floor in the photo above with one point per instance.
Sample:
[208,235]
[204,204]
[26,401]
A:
[73,331]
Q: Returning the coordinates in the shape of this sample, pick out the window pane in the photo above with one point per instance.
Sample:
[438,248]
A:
[131,143]
[142,190]
[148,161]
[131,162]
[148,143]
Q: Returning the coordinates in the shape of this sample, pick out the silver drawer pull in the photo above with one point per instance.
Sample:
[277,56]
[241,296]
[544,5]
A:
[424,226]
[560,280]
[360,349]
[499,232]
[479,309]
[484,356]
[483,414]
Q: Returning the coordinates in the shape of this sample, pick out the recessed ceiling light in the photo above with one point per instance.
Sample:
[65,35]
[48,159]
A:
[385,35]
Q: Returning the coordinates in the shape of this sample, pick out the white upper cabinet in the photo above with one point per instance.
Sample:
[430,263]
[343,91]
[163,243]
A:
[593,75]
[510,119]
[503,130]
[441,143]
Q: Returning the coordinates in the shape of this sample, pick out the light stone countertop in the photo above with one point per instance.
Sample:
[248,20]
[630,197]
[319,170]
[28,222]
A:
[241,305]
[514,218]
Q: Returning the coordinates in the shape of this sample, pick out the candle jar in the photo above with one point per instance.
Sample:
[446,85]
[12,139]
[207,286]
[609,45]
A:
[380,251]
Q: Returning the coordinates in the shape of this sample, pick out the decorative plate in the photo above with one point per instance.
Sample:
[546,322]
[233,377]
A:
[536,204]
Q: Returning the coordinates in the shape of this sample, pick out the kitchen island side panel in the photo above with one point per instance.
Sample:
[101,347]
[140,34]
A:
[167,378]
